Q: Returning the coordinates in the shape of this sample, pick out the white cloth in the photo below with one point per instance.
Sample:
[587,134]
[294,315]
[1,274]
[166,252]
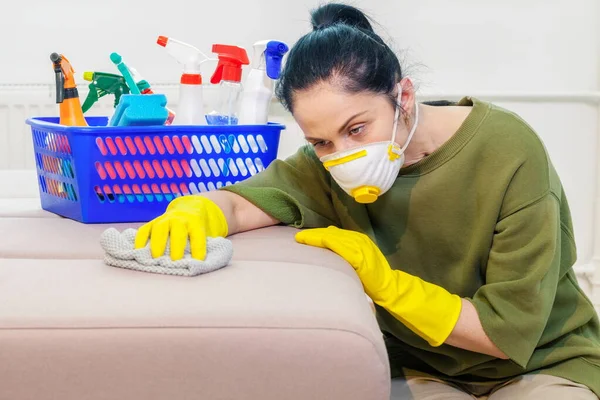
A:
[120,252]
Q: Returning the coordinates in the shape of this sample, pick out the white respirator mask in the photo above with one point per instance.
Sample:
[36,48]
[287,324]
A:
[368,171]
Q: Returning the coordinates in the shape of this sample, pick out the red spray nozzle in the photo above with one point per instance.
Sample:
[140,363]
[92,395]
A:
[162,40]
[231,59]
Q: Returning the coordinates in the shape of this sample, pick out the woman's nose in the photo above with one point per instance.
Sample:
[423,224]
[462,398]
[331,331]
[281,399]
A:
[344,144]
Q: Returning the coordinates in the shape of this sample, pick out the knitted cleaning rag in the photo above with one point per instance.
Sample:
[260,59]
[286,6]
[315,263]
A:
[120,252]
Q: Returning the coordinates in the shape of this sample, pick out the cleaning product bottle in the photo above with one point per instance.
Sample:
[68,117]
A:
[228,75]
[135,108]
[190,110]
[102,84]
[66,92]
[258,87]
[125,72]
[145,88]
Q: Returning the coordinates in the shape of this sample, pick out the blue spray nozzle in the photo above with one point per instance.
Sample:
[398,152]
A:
[273,57]
[116,58]
[118,61]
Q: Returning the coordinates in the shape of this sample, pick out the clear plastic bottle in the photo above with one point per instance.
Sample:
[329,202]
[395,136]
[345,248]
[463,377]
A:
[228,75]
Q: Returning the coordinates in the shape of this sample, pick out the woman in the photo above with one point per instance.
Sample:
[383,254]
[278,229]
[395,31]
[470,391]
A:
[451,214]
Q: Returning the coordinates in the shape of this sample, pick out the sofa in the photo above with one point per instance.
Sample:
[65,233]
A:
[282,321]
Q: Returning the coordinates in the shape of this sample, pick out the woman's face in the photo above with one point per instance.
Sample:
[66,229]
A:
[333,120]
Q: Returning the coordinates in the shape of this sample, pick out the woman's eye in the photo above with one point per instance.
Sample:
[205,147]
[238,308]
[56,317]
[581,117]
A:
[357,130]
[322,143]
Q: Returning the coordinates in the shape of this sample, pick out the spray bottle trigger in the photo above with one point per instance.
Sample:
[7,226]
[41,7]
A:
[217,76]
[60,87]
[273,65]
[58,76]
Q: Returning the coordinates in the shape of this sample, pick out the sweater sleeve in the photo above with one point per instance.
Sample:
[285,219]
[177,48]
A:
[522,275]
[295,191]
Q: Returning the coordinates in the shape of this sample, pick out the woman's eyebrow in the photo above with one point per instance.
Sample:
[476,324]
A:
[341,129]
[350,119]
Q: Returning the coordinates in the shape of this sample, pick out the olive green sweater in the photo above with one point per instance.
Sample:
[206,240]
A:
[484,216]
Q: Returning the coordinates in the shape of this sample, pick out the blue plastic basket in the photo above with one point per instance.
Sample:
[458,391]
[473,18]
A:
[101,174]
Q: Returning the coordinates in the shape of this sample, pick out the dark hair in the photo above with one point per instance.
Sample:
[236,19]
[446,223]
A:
[342,48]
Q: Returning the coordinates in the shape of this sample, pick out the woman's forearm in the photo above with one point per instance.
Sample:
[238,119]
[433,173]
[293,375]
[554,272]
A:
[468,333]
[241,215]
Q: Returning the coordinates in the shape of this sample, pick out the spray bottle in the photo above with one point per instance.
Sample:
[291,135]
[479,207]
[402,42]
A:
[102,84]
[135,108]
[66,92]
[228,75]
[258,88]
[190,110]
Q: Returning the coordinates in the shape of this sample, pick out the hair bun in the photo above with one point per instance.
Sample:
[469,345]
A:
[334,13]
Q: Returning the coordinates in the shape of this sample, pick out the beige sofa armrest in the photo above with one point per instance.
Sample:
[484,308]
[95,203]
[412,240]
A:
[282,321]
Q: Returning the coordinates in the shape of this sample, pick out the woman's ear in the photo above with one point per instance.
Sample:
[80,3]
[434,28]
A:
[407,98]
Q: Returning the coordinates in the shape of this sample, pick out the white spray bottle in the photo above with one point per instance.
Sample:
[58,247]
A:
[258,88]
[190,110]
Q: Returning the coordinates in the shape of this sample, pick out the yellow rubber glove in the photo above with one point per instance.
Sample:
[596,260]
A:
[428,310]
[191,216]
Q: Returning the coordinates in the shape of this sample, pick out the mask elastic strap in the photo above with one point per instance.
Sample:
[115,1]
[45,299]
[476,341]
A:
[396,116]
[412,130]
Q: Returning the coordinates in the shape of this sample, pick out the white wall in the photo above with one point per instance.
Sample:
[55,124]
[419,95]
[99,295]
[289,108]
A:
[539,58]
[464,45]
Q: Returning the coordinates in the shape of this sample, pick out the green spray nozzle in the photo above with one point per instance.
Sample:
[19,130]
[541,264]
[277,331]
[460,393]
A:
[103,83]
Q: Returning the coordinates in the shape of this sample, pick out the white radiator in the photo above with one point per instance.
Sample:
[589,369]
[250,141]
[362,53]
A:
[19,102]
[582,181]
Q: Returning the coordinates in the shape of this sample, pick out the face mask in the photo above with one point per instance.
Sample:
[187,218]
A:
[366,172]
